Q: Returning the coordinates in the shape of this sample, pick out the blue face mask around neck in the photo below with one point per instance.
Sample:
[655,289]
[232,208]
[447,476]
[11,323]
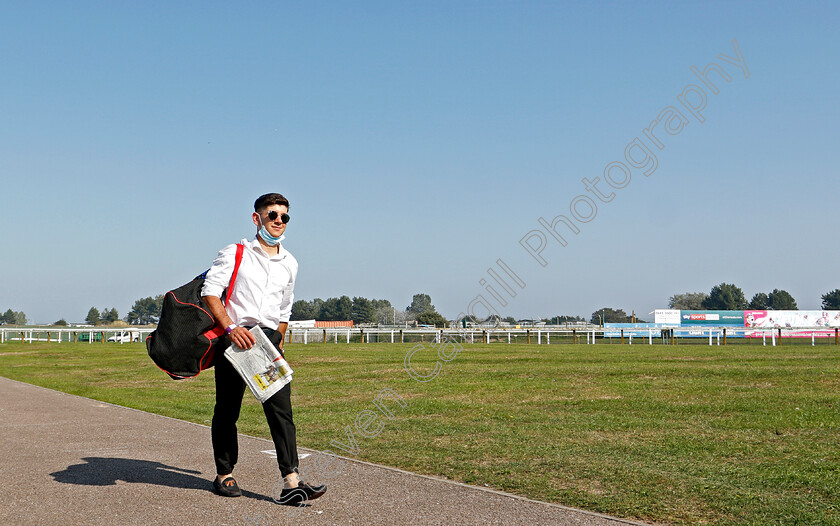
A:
[268,238]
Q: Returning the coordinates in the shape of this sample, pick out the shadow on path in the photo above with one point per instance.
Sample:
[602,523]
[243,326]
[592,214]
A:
[106,471]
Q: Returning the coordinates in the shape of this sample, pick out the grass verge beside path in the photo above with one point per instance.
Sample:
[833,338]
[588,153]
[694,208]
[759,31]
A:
[684,435]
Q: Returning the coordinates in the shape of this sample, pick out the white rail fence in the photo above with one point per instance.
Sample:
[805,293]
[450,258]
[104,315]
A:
[93,335]
[545,336]
[586,335]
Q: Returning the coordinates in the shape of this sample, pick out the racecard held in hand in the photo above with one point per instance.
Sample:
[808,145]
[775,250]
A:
[263,368]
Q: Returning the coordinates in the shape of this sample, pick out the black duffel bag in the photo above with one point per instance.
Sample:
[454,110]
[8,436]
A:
[185,340]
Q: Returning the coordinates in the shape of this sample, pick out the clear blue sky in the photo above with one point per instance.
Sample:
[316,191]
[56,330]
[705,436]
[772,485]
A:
[418,143]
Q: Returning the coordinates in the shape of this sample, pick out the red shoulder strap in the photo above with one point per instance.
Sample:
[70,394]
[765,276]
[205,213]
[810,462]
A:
[216,331]
[239,249]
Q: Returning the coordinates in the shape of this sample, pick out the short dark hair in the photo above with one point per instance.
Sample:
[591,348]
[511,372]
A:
[267,200]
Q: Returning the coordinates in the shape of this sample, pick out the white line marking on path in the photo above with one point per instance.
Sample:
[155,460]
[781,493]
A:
[273,454]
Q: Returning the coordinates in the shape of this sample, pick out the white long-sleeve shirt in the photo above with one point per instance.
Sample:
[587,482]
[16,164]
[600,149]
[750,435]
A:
[264,288]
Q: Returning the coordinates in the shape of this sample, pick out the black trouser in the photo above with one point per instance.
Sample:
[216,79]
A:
[278,412]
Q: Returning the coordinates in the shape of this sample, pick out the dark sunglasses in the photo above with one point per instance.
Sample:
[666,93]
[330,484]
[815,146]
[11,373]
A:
[284,218]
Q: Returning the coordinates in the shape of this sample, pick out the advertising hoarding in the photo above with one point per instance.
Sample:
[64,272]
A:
[791,318]
[712,317]
[666,316]
[637,330]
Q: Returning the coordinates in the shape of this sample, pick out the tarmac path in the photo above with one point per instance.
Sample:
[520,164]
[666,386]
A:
[73,460]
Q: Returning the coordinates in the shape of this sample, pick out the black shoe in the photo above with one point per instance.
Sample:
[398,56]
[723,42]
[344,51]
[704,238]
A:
[312,492]
[227,488]
[291,496]
[302,493]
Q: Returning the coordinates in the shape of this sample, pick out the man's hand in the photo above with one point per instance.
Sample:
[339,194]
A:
[242,337]
[282,328]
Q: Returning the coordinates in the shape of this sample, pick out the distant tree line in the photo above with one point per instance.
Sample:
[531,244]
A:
[358,309]
[145,311]
[424,312]
[361,310]
[563,319]
[106,317]
[727,296]
[831,300]
[610,315]
[493,319]
[11,317]
[364,310]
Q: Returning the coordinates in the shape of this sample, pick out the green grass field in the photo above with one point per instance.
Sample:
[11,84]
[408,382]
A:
[684,434]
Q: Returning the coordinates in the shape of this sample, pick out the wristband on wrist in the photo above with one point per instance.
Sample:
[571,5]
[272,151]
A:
[230,328]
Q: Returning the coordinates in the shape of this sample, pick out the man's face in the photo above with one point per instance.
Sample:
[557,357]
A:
[275,227]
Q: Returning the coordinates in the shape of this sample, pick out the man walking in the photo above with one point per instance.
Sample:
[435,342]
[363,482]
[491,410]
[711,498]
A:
[262,296]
